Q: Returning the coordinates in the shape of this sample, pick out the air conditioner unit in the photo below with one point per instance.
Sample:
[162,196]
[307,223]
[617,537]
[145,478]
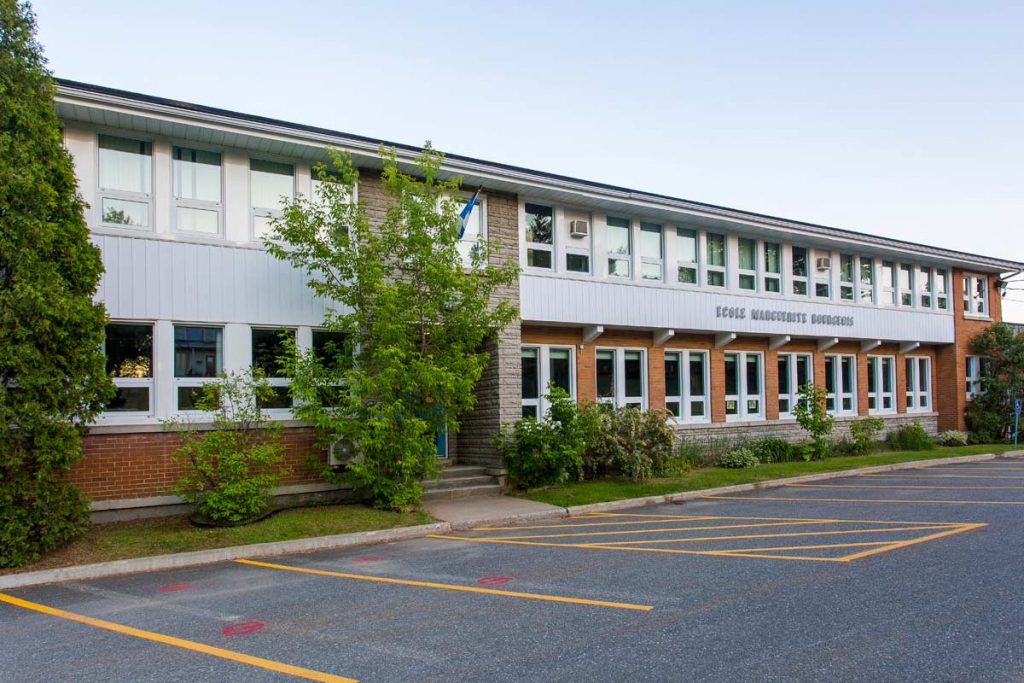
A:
[823,262]
[579,228]
[342,453]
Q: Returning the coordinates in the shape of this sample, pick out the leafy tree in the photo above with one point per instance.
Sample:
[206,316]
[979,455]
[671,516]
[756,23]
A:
[413,317]
[990,414]
[52,374]
[812,416]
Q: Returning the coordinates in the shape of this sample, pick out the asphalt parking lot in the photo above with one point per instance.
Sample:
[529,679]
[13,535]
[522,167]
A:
[913,575]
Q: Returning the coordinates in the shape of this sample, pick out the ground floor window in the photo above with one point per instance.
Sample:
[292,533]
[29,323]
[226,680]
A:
[976,366]
[268,349]
[795,370]
[881,384]
[919,383]
[621,377]
[686,385]
[744,386]
[129,351]
[198,359]
[541,366]
[841,384]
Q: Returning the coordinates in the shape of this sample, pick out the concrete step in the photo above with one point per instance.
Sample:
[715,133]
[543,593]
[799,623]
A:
[457,483]
[464,492]
[462,471]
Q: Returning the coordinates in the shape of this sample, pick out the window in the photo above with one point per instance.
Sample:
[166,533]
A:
[268,350]
[823,276]
[867,280]
[686,385]
[715,258]
[840,384]
[621,379]
[772,267]
[475,230]
[198,359]
[577,251]
[651,264]
[846,281]
[919,383]
[540,236]
[925,287]
[129,351]
[794,372]
[619,247]
[906,284]
[747,263]
[977,367]
[975,295]
[269,181]
[686,256]
[331,349]
[942,289]
[743,386]
[126,181]
[799,271]
[881,384]
[544,365]
[888,284]
[197,194]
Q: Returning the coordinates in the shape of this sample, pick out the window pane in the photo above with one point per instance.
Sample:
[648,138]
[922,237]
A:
[686,245]
[732,385]
[198,351]
[129,350]
[911,375]
[772,284]
[618,236]
[821,289]
[696,374]
[618,267]
[531,367]
[530,411]
[129,399]
[830,374]
[634,374]
[605,371]
[716,278]
[687,276]
[772,257]
[673,378]
[753,374]
[747,251]
[123,212]
[539,224]
[803,371]
[268,348]
[330,348]
[847,368]
[188,397]
[270,181]
[800,288]
[783,374]
[196,175]
[650,271]
[846,268]
[650,240]
[748,282]
[872,379]
[696,409]
[198,220]
[125,165]
[887,366]
[799,261]
[537,258]
[280,397]
[577,263]
[560,369]
[716,250]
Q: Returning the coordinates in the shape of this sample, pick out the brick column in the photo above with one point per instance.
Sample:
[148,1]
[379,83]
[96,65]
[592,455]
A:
[862,384]
[717,359]
[771,384]
[656,378]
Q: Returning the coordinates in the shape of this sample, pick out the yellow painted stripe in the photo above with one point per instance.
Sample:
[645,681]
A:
[808,547]
[823,520]
[942,476]
[866,500]
[795,534]
[914,541]
[586,524]
[908,486]
[663,530]
[269,664]
[449,586]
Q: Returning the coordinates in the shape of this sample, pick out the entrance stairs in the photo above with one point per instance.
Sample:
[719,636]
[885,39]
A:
[464,481]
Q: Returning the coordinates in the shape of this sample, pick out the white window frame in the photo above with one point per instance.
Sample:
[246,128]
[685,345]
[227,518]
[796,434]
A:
[256,212]
[841,392]
[911,290]
[124,195]
[926,287]
[192,382]
[619,399]
[915,393]
[975,370]
[793,395]
[794,279]
[273,381]
[821,277]
[866,290]
[627,258]
[708,268]
[689,265]
[685,400]
[466,245]
[747,272]
[201,205]
[769,275]
[877,373]
[540,246]
[851,284]
[743,395]
[541,403]
[645,260]
[942,289]
[971,303]
[888,289]
[135,382]
[572,248]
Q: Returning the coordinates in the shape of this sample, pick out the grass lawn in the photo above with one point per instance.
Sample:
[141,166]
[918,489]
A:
[601,490]
[120,540]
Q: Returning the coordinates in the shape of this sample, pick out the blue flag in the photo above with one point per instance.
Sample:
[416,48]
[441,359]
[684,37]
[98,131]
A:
[464,214]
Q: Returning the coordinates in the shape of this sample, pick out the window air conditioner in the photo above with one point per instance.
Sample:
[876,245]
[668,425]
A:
[579,228]
[823,263]
[341,453]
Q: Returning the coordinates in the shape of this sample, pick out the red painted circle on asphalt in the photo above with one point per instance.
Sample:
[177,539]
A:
[243,628]
[366,558]
[175,587]
[493,581]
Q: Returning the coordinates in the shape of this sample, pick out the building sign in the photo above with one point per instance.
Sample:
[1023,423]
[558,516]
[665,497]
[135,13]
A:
[777,316]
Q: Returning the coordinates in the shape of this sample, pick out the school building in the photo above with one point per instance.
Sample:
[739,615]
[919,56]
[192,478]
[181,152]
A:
[626,297]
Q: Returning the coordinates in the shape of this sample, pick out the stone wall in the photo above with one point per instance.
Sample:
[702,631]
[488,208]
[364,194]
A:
[790,430]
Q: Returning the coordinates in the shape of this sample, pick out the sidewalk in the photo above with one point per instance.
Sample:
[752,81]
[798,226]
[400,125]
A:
[471,512]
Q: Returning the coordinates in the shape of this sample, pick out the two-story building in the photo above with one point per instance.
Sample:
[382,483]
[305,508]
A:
[626,297]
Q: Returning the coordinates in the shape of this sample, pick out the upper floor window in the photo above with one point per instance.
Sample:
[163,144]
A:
[942,289]
[651,264]
[543,366]
[540,236]
[867,280]
[919,382]
[975,295]
[799,271]
[126,181]
[474,230]
[744,386]
[197,190]
[715,260]
[840,384]
[823,275]
[686,385]
[846,277]
[268,351]
[621,377]
[620,247]
[976,369]
[198,359]
[686,256]
[888,284]
[925,287]
[747,263]
[795,370]
[269,181]
[129,351]
[577,251]
[881,384]
[773,267]
[906,284]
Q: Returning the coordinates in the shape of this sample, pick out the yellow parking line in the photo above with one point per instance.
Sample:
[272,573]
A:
[809,547]
[969,469]
[908,486]
[928,527]
[866,500]
[449,586]
[914,541]
[269,664]
[828,520]
[661,530]
[573,526]
[941,476]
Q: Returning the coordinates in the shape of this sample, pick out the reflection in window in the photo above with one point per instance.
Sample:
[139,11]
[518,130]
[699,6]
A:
[198,358]
[129,352]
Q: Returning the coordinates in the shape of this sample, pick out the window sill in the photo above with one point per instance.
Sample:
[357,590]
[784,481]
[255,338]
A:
[976,317]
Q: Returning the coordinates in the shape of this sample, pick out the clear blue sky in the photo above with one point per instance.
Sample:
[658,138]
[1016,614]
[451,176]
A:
[898,118]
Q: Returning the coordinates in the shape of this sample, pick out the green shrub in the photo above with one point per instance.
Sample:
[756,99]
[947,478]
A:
[953,438]
[865,434]
[691,453]
[230,470]
[629,442]
[844,445]
[910,437]
[812,416]
[773,450]
[740,458]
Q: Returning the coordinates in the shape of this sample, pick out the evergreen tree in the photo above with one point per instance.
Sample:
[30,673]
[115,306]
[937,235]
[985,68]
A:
[52,370]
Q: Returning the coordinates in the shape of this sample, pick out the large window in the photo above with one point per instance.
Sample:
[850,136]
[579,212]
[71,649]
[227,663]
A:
[540,236]
[686,385]
[269,181]
[925,287]
[773,267]
[651,262]
[888,284]
[823,275]
[686,256]
[795,370]
[747,263]
[129,351]
[198,359]
[332,350]
[919,383]
[976,368]
[975,295]
[906,284]
[881,384]
[846,277]
[268,351]
[867,280]
[577,251]
[744,386]
[799,271]
[841,384]
[475,230]
[544,365]
[197,191]
[126,181]
[942,289]
[620,247]
[621,377]
[715,260]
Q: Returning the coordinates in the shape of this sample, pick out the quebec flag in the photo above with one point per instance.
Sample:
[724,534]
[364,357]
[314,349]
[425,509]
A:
[466,210]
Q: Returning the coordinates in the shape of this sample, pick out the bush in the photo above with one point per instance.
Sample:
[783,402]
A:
[910,437]
[865,434]
[773,450]
[629,442]
[844,445]
[813,418]
[953,438]
[740,458]
[229,471]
